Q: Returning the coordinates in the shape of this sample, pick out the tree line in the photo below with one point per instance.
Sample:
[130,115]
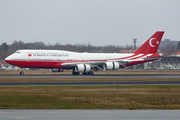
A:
[6,50]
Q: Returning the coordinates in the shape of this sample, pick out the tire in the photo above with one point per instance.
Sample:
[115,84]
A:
[91,73]
[85,73]
[75,73]
[21,73]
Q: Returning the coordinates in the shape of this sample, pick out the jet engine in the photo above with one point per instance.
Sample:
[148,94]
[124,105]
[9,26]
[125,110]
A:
[56,70]
[111,66]
[82,68]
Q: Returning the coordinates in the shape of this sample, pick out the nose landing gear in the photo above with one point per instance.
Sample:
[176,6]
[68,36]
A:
[21,72]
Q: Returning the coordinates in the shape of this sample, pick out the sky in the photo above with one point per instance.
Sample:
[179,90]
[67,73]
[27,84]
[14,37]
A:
[99,22]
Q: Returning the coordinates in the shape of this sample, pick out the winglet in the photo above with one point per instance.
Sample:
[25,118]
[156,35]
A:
[151,45]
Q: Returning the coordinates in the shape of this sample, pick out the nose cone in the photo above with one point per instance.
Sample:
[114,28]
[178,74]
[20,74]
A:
[7,59]
[12,60]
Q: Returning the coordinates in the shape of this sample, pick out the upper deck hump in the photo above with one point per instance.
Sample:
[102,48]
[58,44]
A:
[46,51]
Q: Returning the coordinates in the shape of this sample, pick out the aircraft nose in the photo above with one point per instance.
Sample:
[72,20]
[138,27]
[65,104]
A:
[7,58]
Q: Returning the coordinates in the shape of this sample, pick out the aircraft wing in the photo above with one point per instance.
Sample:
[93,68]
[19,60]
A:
[95,65]
[75,63]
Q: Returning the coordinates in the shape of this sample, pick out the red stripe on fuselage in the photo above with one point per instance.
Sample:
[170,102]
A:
[124,57]
[137,57]
[32,64]
[138,62]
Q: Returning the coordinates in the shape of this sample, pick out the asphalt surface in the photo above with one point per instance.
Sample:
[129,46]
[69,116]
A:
[91,83]
[89,114]
[98,76]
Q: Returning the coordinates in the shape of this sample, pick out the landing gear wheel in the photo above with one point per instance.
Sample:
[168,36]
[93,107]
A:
[75,73]
[21,73]
[85,73]
[91,73]
[88,73]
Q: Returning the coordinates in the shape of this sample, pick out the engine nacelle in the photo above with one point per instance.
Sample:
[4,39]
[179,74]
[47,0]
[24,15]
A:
[56,70]
[82,68]
[111,66]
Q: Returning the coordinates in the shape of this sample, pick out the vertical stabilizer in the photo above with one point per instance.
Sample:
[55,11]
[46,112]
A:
[151,45]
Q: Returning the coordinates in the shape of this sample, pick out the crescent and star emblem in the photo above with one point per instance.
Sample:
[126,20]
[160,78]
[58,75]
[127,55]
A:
[150,42]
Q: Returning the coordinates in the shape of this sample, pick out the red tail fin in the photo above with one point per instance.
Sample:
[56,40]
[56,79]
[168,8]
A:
[151,45]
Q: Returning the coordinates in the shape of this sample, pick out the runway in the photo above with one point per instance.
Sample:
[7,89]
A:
[97,114]
[96,76]
[91,83]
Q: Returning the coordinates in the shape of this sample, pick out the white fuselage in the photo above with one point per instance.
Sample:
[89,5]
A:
[54,58]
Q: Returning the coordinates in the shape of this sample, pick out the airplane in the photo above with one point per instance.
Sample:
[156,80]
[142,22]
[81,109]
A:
[87,63]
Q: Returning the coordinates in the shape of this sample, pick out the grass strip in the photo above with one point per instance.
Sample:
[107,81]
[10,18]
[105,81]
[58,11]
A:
[91,97]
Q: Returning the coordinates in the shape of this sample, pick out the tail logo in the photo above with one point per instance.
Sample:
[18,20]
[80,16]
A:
[150,42]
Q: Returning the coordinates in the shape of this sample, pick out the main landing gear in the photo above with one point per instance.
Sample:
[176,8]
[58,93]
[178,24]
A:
[21,72]
[88,73]
[84,73]
[75,73]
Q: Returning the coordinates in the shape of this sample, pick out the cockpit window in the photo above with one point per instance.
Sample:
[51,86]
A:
[17,52]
